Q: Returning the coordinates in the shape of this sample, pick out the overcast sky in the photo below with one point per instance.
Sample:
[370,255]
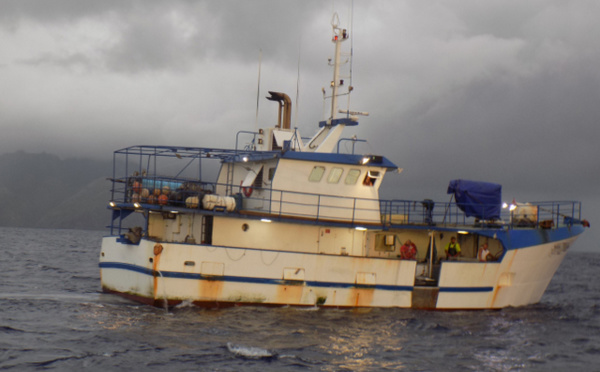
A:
[504,91]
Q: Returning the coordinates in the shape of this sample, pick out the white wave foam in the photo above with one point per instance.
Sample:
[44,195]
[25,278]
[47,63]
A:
[249,351]
[184,304]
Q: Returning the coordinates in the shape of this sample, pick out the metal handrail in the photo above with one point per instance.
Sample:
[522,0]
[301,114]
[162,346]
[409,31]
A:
[144,162]
[349,209]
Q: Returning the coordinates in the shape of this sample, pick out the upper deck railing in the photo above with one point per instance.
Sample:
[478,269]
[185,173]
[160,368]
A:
[138,183]
[186,195]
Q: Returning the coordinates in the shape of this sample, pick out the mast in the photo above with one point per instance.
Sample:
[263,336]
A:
[339,36]
[331,128]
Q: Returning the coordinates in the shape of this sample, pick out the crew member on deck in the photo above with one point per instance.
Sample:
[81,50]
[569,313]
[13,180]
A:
[452,249]
[483,253]
[408,251]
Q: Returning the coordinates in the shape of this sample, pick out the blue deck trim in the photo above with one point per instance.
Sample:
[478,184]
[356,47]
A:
[326,157]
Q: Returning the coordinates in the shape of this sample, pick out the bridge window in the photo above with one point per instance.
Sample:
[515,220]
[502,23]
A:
[316,174]
[370,178]
[352,176]
[334,175]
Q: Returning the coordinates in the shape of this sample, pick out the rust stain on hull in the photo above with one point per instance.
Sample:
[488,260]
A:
[211,289]
[289,294]
[158,248]
[363,297]
[497,287]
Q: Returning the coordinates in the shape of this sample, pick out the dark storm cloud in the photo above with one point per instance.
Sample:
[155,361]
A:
[172,35]
[539,135]
[16,11]
[503,91]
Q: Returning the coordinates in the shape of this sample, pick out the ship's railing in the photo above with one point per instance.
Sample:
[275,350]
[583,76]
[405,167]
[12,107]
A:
[536,214]
[149,191]
[160,190]
[189,193]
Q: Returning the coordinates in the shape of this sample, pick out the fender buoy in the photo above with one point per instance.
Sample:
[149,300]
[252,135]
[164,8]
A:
[137,187]
[163,199]
[246,190]
[158,248]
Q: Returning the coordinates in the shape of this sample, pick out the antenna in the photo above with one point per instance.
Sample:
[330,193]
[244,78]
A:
[351,87]
[298,84]
[258,89]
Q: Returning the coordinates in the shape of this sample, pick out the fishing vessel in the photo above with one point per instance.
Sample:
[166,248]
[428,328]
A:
[282,220]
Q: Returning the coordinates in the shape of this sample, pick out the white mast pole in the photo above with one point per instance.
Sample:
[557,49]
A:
[258,89]
[339,36]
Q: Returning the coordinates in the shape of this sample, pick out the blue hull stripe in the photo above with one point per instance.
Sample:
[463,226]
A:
[242,279]
[466,289]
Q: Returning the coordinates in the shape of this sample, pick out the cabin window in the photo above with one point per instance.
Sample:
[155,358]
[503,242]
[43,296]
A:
[334,175]
[316,174]
[271,173]
[370,178]
[352,176]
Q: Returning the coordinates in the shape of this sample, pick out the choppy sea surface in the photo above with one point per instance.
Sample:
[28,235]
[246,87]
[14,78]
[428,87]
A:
[54,317]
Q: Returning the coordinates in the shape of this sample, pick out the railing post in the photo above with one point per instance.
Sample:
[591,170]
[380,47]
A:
[318,206]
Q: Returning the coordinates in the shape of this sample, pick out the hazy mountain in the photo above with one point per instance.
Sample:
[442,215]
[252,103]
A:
[42,190]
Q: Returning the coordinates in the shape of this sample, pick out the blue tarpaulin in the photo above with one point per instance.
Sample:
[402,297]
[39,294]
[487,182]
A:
[482,200]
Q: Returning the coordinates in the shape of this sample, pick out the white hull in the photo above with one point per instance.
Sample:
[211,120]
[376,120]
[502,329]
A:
[226,276]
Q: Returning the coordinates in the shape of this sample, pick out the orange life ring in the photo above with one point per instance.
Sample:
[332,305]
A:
[246,190]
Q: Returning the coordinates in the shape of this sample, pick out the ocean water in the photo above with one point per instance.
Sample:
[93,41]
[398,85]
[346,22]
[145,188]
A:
[54,317]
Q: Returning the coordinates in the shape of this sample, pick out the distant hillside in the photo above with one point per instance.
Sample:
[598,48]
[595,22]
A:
[42,190]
